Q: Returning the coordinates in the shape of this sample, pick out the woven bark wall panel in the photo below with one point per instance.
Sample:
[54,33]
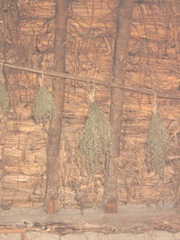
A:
[153,58]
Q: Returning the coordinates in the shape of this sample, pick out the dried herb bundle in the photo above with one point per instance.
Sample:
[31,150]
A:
[95,141]
[44,106]
[4,99]
[157,145]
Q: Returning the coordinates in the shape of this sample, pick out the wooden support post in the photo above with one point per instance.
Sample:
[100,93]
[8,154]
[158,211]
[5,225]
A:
[54,135]
[124,18]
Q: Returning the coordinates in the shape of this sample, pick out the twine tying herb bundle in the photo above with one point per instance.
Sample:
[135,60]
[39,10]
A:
[44,106]
[157,145]
[4,99]
[95,141]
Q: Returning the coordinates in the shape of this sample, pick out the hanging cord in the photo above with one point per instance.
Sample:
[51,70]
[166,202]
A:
[41,79]
[91,92]
[1,73]
[154,104]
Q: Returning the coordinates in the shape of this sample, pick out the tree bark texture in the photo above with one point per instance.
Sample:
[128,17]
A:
[124,19]
[54,134]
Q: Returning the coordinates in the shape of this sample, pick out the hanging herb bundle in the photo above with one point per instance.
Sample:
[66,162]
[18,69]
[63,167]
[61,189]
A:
[157,145]
[95,141]
[4,99]
[44,106]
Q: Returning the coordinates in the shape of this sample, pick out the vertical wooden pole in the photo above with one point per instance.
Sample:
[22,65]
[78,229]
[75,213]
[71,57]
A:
[54,135]
[124,19]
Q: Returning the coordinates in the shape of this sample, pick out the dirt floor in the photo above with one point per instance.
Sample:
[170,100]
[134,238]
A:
[131,222]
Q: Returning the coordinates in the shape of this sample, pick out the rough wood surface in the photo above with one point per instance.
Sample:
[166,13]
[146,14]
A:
[130,219]
[55,128]
[152,66]
[123,28]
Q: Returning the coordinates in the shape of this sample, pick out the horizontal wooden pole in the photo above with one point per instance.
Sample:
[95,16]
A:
[106,83]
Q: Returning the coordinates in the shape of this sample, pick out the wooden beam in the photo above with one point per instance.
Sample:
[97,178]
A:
[54,133]
[103,82]
[124,19]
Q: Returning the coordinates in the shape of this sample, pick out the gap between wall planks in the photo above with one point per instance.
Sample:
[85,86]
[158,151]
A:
[106,83]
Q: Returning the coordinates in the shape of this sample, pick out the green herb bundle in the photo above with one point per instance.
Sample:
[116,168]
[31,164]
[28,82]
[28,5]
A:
[157,145]
[44,106]
[95,141]
[4,99]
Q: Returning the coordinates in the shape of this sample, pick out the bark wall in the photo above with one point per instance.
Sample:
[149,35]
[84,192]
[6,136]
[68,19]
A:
[152,66]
